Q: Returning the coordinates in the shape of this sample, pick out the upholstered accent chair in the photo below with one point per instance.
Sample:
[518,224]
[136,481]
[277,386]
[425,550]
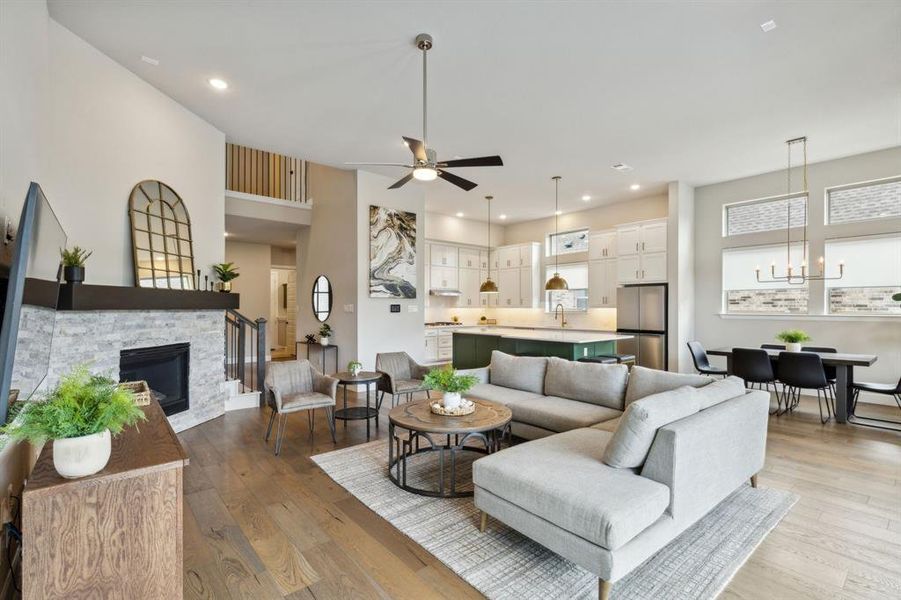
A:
[294,386]
[401,376]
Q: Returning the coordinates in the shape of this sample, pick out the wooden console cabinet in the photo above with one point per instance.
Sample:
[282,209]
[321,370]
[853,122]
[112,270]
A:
[115,534]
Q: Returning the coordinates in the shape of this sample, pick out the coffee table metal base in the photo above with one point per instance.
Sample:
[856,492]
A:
[400,450]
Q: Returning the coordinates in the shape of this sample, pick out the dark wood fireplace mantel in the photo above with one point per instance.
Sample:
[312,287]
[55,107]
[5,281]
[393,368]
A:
[111,297]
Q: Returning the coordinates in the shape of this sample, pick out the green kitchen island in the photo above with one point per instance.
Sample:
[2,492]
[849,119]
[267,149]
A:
[473,346]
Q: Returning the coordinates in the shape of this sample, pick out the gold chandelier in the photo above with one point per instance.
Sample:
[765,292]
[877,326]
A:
[556,282]
[488,286]
[791,276]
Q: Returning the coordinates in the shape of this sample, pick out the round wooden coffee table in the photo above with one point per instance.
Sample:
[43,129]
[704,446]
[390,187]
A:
[488,424]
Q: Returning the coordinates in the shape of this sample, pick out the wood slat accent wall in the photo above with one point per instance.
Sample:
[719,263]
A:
[253,171]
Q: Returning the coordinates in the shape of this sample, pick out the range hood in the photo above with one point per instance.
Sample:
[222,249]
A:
[444,292]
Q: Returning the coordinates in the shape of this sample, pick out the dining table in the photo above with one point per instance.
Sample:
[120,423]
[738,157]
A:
[844,373]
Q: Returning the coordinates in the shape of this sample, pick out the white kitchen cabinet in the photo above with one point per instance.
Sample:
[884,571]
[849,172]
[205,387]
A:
[469,258]
[527,290]
[628,269]
[653,236]
[485,299]
[483,259]
[526,258]
[444,278]
[493,259]
[628,240]
[508,288]
[443,255]
[508,257]
[653,267]
[431,346]
[602,283]
[601,245]
[469,288]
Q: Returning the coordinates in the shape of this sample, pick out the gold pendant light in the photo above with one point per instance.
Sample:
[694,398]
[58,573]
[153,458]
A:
[556,282]
[488,286]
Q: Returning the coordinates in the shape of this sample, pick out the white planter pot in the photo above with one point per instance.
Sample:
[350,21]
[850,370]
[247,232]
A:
[355,370]
[81,456]
[452,400]
[796,347]
[323,341]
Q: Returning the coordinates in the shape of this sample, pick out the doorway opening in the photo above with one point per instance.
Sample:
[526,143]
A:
[282,326]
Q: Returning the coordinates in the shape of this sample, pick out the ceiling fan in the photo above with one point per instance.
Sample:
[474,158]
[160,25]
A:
[426,166]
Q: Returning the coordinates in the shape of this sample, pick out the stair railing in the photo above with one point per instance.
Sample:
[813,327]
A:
[245,351]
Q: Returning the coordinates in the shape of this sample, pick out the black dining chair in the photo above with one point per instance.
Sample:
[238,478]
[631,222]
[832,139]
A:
[702,362]
[804,370]
[887,389]
[754,366]
[829,369]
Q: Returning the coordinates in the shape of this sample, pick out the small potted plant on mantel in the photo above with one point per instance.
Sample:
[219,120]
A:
[73,260]
[226,272]
[451,384]
[793,339]
[325,332]
[81,415]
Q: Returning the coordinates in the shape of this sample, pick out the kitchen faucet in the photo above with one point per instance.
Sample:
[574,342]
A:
[562,314]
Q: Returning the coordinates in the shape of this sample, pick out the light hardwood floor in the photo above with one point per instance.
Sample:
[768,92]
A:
[260,526]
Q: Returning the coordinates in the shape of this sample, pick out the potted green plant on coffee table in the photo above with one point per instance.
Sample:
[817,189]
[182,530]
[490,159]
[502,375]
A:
[81,415]
[226,272]
[73,260]
[451,384]
[792,339]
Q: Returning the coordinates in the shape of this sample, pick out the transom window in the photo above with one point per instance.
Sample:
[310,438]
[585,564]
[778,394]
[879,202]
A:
[864,201]
[767,214]
[567,242]
[576,297]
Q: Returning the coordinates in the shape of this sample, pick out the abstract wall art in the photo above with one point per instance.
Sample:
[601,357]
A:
[392,253]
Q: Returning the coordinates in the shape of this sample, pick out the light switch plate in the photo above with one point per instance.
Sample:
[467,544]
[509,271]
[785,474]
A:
[348,308]
[412,308]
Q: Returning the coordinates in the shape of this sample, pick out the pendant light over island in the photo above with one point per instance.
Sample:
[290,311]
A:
[556,282]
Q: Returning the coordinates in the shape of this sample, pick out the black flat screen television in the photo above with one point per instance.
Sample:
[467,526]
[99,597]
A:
[30,279]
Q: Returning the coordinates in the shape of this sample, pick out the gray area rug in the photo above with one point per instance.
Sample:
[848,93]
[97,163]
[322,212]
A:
[502,563]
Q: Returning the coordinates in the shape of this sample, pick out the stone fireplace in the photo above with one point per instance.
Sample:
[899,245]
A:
[165,369]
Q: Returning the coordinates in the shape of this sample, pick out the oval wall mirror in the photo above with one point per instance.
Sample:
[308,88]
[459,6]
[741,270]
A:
[322,298]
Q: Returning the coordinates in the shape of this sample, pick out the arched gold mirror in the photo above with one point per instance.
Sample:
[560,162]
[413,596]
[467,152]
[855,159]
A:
[162,245]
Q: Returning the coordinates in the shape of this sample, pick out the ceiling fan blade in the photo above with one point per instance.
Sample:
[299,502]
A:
[400,182]
[417,148]
[369,164]
[457,181]
[482,161]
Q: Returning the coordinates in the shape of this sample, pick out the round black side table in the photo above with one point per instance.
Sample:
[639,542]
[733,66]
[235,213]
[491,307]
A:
[355,413]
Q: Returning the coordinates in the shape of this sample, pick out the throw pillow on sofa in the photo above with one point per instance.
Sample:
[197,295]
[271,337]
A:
[720,391]
[524,373]
[631,443]
[604,385]
[645,382]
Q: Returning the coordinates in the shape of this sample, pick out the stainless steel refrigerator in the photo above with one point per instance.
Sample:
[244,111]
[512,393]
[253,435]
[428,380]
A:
[641,311]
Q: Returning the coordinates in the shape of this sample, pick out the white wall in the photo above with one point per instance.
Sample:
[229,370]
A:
[329,247]
[109,130]
[253,262]
[463,231]
[680,275]
[380,330]
[880,336]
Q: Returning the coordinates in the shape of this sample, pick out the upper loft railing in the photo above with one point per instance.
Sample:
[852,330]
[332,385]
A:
[261,173]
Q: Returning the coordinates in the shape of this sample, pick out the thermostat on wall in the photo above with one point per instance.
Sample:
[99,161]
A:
[395,308]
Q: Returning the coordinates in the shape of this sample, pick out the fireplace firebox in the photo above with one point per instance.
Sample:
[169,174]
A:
[164,368]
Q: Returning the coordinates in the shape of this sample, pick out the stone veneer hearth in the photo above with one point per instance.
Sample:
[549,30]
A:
[97,337]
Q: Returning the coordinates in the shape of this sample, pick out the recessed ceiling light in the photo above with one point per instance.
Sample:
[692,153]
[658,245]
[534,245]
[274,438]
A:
[634,187]
[459,215]
[586,197]
[558,212]
[502,217]
[219,84]
[621,167]
[150,61]
[768,26]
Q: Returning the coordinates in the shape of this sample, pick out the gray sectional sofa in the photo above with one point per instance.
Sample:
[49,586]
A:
[620,463]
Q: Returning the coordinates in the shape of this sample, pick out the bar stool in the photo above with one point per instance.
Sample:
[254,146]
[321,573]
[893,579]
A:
[888,389]
[754,366]
[804,370]
[604,360]
[622,359]
[702,362]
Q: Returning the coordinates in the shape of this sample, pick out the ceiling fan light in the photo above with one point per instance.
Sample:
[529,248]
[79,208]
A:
[556,283]
[425,173]
[488,287]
